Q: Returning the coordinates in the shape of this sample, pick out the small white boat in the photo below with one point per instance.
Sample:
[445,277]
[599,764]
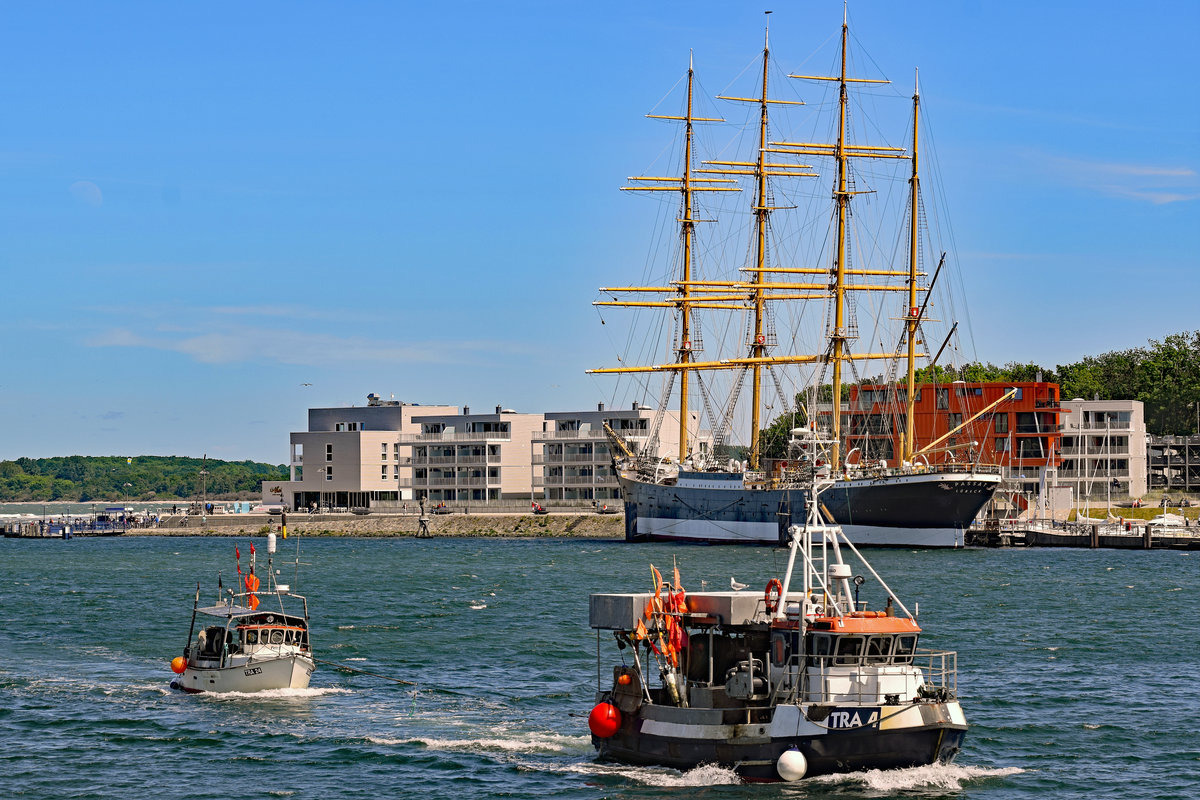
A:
[251,640]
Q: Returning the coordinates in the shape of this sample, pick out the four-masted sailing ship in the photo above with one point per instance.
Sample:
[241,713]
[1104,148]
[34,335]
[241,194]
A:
[695,497]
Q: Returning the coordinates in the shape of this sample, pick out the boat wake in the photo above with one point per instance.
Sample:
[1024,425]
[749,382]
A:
[703,775]
[933,776]
[275,694]
[532,743]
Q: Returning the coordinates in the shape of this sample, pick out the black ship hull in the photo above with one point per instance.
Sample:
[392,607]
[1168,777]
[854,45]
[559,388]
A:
[754,754]
[929,509]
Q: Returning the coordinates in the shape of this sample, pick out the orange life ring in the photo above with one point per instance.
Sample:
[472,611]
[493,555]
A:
[772,601]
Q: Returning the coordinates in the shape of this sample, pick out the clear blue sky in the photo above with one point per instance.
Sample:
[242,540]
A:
[204,207]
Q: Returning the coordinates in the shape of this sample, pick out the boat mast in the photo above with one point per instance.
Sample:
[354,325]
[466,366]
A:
[758,344]
[837,337]
[687,226]
[913,319]
[841,152]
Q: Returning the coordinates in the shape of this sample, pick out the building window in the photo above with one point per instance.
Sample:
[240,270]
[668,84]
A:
[383,473]
[329,452]
[1001,446]
[1002,423]
[955,421]
[943,398]
[383,451]
[329,473]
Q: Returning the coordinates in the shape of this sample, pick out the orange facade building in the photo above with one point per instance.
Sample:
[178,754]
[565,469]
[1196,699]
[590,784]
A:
[1022,434]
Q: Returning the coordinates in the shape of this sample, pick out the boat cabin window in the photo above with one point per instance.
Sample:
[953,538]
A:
[822,647]
[251,637]
[906,645]
[849,650]
[879,649]
[276,637]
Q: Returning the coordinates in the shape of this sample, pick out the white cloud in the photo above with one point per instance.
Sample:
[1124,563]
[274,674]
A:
[240,344]
[1144,182]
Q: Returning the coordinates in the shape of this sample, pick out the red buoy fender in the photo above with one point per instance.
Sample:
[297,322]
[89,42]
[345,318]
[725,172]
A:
[604,720]
[773,595]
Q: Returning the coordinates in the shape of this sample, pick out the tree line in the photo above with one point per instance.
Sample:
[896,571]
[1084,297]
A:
[91,478]
[1163,375]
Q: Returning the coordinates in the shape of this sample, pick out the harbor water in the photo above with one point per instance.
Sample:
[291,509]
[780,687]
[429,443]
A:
[1076,670]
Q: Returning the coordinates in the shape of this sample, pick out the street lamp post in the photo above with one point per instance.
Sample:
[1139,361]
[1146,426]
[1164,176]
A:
[203,493]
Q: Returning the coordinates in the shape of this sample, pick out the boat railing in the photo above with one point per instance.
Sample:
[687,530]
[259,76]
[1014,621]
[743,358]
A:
[829,685]
[952,467]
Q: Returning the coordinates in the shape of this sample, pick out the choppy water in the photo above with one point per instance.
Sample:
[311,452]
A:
[1077,672]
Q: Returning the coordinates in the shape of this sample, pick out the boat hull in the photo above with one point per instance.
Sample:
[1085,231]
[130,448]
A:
[918,510]
[909,737]
[288,672]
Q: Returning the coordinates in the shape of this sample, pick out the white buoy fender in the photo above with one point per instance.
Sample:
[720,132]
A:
[792,765]
[271,543]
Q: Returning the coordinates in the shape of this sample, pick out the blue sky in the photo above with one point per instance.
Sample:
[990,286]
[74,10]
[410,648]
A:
[204,207]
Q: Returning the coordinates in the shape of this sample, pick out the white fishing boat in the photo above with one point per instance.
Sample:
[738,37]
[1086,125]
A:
[775,686]
[251,640]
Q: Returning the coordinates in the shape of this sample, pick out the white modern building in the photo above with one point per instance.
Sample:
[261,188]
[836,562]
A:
[1104,446]
[572,457]
[480,458]
[352,457]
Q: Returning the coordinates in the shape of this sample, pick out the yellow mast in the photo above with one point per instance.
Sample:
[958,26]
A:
[913,199]
[684,353]
[837,337]
[687,186]
[758,344]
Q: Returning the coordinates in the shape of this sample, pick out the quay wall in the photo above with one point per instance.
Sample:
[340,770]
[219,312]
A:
[582,525]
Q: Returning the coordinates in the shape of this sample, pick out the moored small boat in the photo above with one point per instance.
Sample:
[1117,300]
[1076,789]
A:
[777,686]
[251,640]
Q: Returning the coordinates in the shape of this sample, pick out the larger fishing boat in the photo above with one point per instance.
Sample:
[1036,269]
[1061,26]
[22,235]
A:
[703,495]
[780,685]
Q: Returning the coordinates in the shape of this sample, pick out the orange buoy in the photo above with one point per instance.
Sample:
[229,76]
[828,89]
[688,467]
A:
[624,679]
[604,720]
[178,665]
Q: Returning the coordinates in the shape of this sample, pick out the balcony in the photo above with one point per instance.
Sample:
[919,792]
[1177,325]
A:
[570,482]
[572,458]
[436,483]
[1093,452]
[424,438]
[461,460]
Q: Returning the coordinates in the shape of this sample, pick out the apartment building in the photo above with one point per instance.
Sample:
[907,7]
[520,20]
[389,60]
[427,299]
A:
[352,457]
[476,458]
[572,457]
[1020,434]
[1104,449]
